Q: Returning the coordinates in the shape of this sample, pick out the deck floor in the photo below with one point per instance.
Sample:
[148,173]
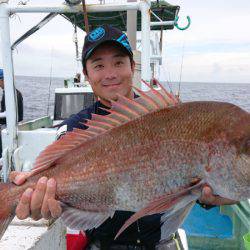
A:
[23,235]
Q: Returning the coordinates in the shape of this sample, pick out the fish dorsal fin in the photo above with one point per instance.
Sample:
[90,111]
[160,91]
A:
[123,110]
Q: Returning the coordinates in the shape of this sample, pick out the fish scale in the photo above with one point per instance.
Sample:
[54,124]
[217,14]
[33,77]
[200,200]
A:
[154,158]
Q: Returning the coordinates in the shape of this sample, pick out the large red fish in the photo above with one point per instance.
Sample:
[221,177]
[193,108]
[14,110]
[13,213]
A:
[149,155]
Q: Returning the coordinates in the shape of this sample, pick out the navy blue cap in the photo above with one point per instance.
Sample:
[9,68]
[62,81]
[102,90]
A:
[1,73]
[101,35]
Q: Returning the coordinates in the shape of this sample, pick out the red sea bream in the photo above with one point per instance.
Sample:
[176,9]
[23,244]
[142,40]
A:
[150,155]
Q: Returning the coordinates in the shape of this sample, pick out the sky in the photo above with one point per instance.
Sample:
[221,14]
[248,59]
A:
[216,47]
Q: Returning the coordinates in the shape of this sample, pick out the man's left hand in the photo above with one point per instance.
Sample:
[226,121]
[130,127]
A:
[208,198]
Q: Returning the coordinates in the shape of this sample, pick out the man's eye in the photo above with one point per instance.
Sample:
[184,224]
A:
[98,66]
[119,63]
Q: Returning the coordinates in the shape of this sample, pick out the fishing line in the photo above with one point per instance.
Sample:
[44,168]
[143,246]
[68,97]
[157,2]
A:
[168,77]
[182,58]
[162,67]
[50,80]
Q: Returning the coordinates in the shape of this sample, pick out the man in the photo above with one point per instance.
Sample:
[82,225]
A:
[3,108]
[109,67]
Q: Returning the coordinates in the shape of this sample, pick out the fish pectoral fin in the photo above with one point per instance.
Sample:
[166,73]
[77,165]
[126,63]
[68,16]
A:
[83,220]
[172,205]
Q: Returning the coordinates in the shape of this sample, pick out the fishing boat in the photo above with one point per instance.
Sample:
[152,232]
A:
[216,228]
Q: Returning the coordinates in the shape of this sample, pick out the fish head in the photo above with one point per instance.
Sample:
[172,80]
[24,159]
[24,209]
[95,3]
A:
[238,136]
[242,167]
[231,153]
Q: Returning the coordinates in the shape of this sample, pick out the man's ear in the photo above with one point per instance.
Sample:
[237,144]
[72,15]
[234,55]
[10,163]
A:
[133,66]
[84,71]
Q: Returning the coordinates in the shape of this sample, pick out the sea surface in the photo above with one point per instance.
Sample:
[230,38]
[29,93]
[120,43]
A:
[38,93]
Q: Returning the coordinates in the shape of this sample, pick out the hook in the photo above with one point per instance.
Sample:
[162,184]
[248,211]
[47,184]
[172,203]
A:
[182,28]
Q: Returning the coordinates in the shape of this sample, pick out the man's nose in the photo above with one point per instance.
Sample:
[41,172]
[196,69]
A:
[110,72]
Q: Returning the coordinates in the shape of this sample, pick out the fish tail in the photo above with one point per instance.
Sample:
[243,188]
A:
[6,208]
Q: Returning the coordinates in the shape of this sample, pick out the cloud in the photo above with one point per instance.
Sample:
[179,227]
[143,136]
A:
[215,47]
[209,67]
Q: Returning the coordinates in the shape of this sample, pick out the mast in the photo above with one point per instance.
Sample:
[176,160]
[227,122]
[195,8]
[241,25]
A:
[144,7]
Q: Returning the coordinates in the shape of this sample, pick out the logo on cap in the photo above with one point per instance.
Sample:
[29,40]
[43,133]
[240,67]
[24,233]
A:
[96,34]
[124,41]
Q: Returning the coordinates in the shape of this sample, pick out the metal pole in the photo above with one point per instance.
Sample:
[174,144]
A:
[85,15]
[145,41]
[72,9]
[163,23]
[132,26]
[10,97]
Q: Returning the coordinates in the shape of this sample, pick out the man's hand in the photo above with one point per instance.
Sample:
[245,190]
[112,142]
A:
[209,198]
[38,203]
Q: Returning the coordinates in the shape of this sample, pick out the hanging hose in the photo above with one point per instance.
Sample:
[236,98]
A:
[75,40]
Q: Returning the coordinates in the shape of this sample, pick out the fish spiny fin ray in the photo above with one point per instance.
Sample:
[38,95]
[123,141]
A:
[122,111]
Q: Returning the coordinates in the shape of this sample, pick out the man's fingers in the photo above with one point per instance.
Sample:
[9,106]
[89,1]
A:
[18,177]
[13,175]
[55,208]
[23,207]
[209,198]
[37,198]
[208,194]
[50,194]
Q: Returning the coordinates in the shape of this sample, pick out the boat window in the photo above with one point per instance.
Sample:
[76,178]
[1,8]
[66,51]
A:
[71,103]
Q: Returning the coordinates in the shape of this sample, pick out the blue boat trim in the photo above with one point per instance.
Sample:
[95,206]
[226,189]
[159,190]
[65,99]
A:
[208,223]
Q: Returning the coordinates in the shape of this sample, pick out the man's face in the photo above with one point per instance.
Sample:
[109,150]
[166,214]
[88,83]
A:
[109,72]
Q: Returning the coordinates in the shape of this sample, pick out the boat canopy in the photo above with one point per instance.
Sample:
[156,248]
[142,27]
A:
[164,10]
[161,9]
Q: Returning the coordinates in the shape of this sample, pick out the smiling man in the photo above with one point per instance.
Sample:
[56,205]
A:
[109,67]
[109,72]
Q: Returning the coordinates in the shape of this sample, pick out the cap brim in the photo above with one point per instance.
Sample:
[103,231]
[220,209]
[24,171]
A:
[88,55]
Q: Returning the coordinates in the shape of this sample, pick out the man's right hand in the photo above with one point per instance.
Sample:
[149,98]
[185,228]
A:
[38,203]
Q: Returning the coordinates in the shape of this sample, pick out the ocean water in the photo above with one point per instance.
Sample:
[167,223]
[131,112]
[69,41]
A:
[38,93]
